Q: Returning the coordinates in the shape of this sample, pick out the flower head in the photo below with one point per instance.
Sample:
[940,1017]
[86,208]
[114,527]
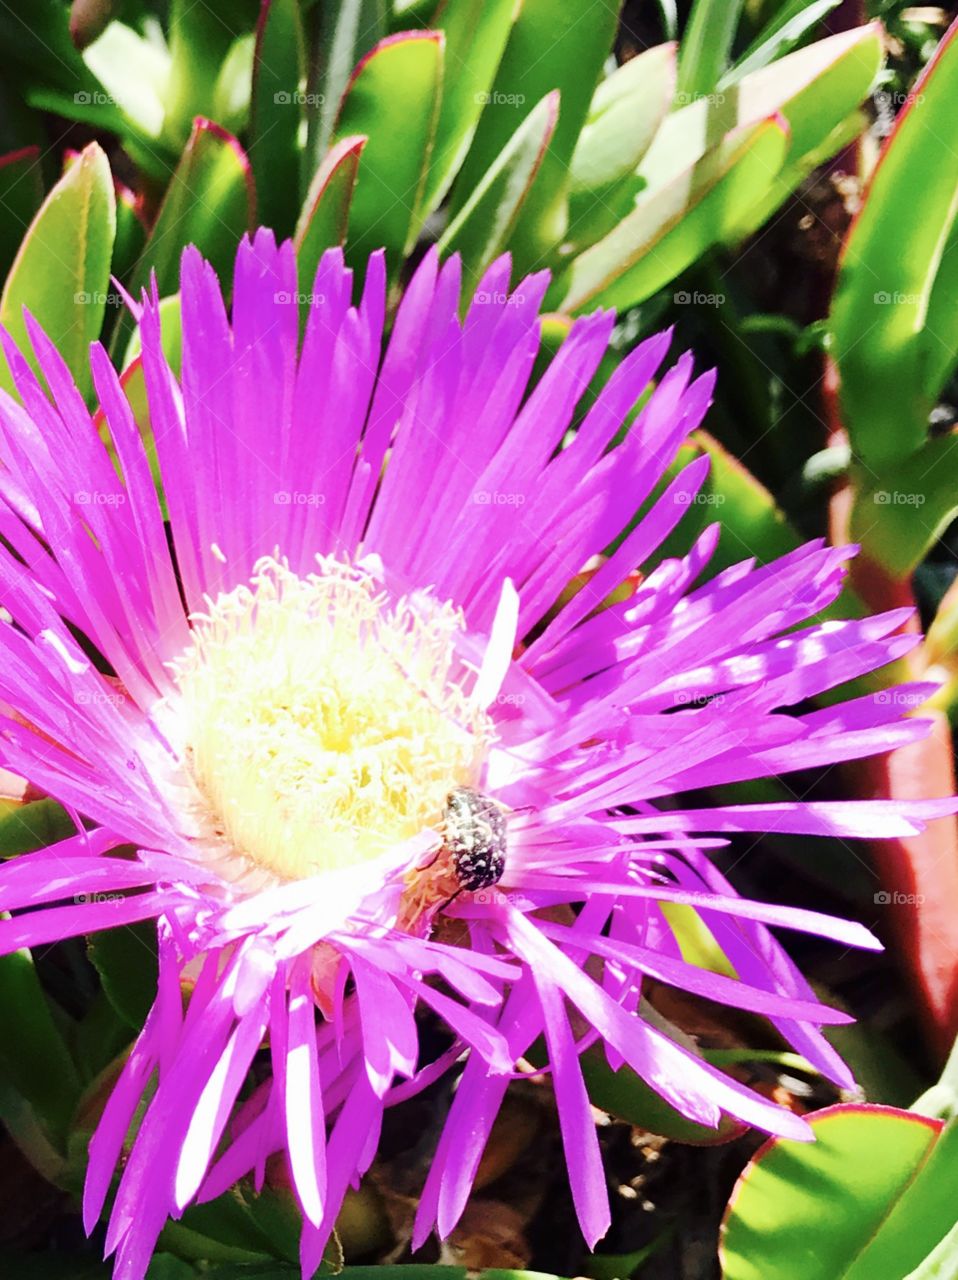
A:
[337,695]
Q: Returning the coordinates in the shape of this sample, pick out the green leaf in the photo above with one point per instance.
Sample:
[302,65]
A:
[209,204]
[234,84]
[482,228]
[393,99]
[673,225]
[130,234]
[705,47]
[34,1059]
[887,330]
[276,113]
[134,73]
[626,111]
[165,1267]
[21,194]
[476,32]
[620,1266]
[344,33]
[626,1096]
[919,1220]
[829,1210]
[26,827]
[324,219]
[62,270]
[752,523]
[942,1262]
[200,37]
[126,960]
[553,45]
[789,25]
[791,86]
[37,46]
[901,510]
[823,115]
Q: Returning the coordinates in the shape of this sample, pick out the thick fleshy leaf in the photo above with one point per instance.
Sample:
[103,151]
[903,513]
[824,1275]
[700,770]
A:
[899,513]
[209,204]
[626,111]
[822,116]
[34,1059]
[126,960]
[672,226]
[705,46]
[347,31]
[131,234]
[553,45]
[276,113]
[625,1095]
[25,827]
[21,193]
[36,41]
[482,228]
[134,73]
[200,37]
[870,1197]
[393,99]
[61,273]
[324,219]
[781,33]
[475,32]
[894,341]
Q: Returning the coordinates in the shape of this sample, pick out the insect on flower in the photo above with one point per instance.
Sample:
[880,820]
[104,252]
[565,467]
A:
[475,835]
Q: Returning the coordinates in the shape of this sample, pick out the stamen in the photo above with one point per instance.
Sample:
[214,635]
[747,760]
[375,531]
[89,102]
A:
[323,723]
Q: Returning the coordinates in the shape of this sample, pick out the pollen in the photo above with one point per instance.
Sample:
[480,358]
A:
[323,722]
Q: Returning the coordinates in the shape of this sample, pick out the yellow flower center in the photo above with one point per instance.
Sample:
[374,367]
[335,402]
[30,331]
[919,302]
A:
[323,723]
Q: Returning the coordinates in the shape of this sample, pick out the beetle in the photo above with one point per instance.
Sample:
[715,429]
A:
[475,835]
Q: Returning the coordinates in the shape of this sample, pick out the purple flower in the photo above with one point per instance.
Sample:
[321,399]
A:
[261,717]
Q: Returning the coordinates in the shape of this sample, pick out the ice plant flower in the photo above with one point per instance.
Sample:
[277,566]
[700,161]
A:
[257,702]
